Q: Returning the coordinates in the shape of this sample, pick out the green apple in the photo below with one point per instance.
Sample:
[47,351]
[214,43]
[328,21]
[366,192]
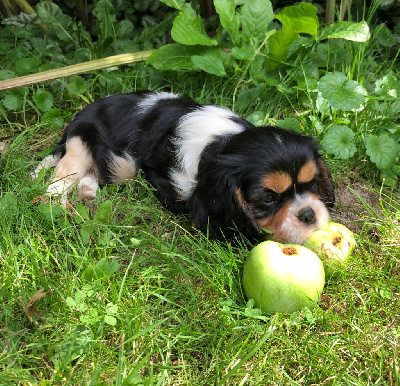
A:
[283,277]
[333,243]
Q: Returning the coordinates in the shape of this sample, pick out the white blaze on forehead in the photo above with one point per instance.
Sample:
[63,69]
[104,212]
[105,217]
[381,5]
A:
[194,133]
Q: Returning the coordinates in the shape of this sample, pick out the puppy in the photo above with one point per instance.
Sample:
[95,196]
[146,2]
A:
[230,176]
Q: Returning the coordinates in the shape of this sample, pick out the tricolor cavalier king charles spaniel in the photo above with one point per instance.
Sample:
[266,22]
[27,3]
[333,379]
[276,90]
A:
[230,176]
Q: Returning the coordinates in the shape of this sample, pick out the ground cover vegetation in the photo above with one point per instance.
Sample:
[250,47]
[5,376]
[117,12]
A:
[120,291]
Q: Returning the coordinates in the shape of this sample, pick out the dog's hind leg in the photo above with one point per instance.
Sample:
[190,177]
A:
[76,164]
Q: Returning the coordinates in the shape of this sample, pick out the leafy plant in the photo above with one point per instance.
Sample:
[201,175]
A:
[256,44]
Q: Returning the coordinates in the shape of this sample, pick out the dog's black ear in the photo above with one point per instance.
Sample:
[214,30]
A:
[325,188]
[219,210]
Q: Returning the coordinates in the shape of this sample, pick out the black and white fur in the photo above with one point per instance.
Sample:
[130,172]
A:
[201,159]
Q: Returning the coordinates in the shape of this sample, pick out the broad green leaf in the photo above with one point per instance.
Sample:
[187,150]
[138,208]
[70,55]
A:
[53,120]
[176,56]
[105,14]
[387,88]
[256,118]
[123,29]
[77,86]
[112,309]
[228,17]
[385,36]
[12,101]
[295,20]
[358,32]
[4,48]
[43,100]
[301,18]
[242,54]
[255,17]
[177,4]
[103,268]
[6,74]
[103,213]
[189,29]
[209,64]
[60,24]
[111,320]
[382,150]
[340,92]
[290,123]
[339,141]
[83,213]
[27,66]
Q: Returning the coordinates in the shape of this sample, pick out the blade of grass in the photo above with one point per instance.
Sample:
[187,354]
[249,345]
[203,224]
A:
[235,369]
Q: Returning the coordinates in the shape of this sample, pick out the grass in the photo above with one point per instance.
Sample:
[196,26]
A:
[139,297]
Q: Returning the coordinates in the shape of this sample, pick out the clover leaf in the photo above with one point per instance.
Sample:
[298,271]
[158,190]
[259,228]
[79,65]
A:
[382,150]
[339,141]
[340,92]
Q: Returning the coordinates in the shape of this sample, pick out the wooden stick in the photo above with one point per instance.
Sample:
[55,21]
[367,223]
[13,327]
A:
[75,69]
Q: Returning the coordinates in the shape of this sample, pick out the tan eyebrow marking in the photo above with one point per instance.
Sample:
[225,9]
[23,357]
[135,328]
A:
[277,181]
[307,172]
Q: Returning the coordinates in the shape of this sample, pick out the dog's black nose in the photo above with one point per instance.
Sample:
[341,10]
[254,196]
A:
[307,216]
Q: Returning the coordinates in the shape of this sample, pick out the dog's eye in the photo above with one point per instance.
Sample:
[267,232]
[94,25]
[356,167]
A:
[269,198]
[313,186]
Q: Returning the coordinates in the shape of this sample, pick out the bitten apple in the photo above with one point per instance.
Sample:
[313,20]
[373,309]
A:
[283,277]
[333,243]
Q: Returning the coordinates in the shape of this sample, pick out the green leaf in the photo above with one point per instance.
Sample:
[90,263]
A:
[255,17]
[295,20]
[43,100]
[123,29]
[177,4]
[60,24]
[382,150]
[189,29]
[340,92]
[242,54]
[12,102]
[103,213]
[385,37]
[111,320]
[301,18]
[175,57]
[228,17]
[339,141]
[26,66]
[77,86]
[385,292]
[111,309]
[52,119]
[387,88]
[83,213]
[210,64]
[358,32]
[105,14]
[70,302]
[256,118]
[103,268]
[290,123]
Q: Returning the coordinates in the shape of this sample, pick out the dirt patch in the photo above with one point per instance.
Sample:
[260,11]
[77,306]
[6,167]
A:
[355,203]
